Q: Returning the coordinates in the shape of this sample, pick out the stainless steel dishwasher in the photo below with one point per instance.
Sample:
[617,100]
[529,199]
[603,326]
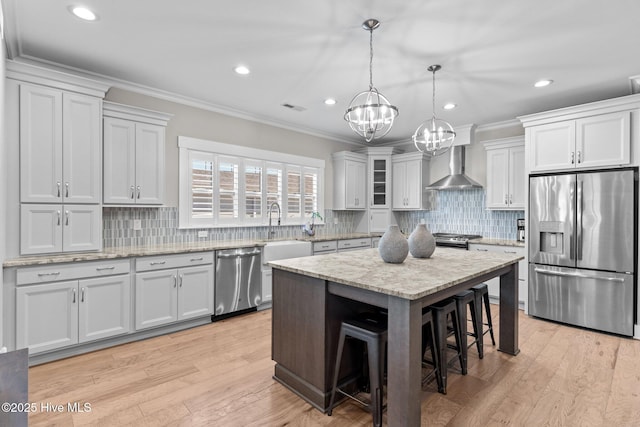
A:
[238,281]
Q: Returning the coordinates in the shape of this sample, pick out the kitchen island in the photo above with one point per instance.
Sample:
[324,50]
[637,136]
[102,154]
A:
[312,295]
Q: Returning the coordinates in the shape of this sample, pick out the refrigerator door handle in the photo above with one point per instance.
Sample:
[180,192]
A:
[579,209]
[582,276]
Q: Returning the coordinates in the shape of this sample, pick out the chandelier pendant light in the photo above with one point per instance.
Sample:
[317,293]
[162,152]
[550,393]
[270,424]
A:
[370,114]
[434,136]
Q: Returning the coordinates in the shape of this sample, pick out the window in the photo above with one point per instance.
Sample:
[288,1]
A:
[227,185]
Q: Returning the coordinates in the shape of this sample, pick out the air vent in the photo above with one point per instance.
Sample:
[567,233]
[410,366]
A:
[293,107]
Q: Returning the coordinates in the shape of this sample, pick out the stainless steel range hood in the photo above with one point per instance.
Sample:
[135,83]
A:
[456,180]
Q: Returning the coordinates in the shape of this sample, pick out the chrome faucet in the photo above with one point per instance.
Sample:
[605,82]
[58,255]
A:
[269,213]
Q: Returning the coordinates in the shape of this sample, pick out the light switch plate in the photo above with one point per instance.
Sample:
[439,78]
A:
[137,224]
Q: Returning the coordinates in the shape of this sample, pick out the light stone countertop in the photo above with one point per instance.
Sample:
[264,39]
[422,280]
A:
[413,279]
[498,242]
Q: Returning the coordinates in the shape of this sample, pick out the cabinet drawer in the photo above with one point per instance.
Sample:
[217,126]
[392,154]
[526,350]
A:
[517,250]
[57,272]
[162,262]
[329,246]
[354,243]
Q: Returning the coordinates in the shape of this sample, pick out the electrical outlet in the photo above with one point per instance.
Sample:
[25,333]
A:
[137,224]
[202,233]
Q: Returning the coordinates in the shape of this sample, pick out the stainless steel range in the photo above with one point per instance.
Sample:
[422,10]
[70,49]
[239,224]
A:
[453,240]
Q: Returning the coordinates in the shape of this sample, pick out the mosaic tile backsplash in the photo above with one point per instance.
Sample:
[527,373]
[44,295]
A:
[463,212]
[457,211]
[160,226]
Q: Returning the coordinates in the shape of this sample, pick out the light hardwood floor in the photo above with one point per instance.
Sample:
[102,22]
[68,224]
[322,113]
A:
[221,375]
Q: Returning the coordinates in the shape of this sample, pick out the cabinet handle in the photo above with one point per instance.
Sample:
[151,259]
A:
[73,292]
[55,273]
[58,212]
[66,217]
[175,281]
[572,157]
[579,156]
[66,189]
[197,259]
[510,199]
[105,268]
[58,184]
[133,192]
[482,250]
[347,244]
[157,262]
[506,200]
[82,295]
[181,276]
[509,252]
[138,191]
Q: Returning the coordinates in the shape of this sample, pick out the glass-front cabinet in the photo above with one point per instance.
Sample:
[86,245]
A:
[380,181]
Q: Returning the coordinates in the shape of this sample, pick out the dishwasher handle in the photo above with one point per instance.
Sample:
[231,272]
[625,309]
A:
[238,254]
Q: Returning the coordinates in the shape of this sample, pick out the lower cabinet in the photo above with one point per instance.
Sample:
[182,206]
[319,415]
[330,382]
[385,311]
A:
[165,295]
[54,315]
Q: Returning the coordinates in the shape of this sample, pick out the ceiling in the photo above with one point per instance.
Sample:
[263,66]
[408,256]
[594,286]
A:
[303,51]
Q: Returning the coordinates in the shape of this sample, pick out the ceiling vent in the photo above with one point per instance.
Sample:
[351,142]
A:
[293,107]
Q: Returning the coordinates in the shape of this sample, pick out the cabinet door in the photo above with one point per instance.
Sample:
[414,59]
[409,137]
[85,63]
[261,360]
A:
[552,146]
[40,229]
[149,164]
[498,178]
[517,178]
[81,149]
[195,292]
[47,316]
[413,184]
[603,140]
[82,228]
[267,285]
[399,180]
[379,182]
[355,185]
[119,161]
[156,296]
[40,144]
[105,307]
[379,220]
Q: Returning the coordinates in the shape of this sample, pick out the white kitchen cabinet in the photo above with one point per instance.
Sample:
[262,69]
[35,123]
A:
[349,182]
[379,220]
[325,247]
[494,284]
[165,294]
[53,314]
[48,228]
[60,146]
[588,142]
[410,177]
[134,155]
[506,174]
[379,181]
[346,245]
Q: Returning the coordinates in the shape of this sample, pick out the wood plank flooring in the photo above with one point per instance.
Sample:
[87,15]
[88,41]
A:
[221,375]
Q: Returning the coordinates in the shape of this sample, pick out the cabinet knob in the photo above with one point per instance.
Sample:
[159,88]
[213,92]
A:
[58,184]
[66,189]
[138,191]
[133,192]
[73,296]
[59,214]
[66,217]
[579,156]
[572,157]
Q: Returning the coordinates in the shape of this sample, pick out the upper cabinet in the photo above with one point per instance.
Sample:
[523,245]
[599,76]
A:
[506,174]
[587,136]
[410,177]
[349,181]
[60,135]
[379,181]
[134,147]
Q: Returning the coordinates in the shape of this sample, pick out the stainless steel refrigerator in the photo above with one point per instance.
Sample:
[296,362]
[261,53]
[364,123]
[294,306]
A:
[583,248]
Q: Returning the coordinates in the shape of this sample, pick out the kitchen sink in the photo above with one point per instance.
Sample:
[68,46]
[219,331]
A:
[281,249]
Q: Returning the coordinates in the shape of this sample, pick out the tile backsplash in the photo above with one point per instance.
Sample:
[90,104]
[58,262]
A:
[464,212]
[160,226]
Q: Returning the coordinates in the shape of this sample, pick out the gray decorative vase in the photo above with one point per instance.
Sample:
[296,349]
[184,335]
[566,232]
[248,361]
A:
[393,246]
[421,242]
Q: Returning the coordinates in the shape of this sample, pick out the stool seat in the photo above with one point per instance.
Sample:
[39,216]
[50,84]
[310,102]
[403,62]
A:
[374,335]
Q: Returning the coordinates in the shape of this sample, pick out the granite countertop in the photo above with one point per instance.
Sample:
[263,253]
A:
[173,248]
[413,279]
[498,242]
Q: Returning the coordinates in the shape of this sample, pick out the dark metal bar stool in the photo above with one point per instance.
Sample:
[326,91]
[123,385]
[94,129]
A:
[481,292]
[464,299]
[428,340]
[440,311]
[374,335]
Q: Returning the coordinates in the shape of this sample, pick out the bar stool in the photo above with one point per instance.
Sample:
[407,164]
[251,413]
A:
[441,311]
[481,293]
[428,340]
[374,335]
[464,299]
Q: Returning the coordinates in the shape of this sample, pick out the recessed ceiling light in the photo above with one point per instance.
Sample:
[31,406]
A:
[243,70]
[450,106]
[543,83]
[330,101]
[83,13]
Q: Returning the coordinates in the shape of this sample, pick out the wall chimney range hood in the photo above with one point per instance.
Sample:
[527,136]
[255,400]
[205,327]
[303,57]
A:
[456,180]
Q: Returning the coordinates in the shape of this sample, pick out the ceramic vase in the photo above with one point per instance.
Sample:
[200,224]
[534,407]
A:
[421,242]
[393,246]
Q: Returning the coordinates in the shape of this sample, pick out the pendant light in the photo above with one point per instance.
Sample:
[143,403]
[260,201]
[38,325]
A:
[370,114]
[434,136]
